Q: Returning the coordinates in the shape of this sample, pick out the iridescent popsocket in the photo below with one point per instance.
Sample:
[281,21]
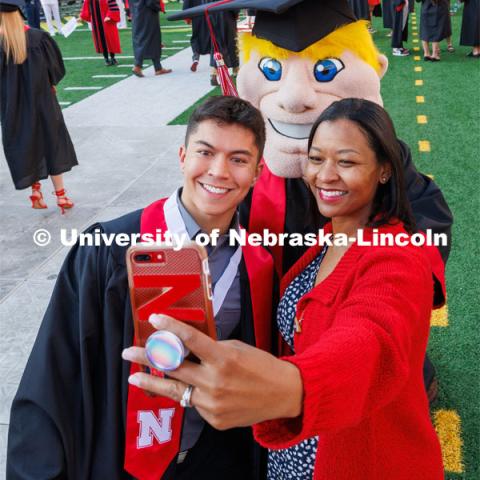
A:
[165,351]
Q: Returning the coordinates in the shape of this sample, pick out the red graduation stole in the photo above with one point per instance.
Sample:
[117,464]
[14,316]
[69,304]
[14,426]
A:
[268,210]
[154,424]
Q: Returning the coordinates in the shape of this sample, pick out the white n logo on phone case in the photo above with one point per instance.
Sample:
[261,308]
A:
[152,426]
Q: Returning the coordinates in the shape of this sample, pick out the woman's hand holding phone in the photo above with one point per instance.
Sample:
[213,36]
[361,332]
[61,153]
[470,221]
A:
[235,384]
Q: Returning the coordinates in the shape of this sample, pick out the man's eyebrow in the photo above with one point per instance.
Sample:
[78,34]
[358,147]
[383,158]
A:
[234,152]
[343,150]
[202,142]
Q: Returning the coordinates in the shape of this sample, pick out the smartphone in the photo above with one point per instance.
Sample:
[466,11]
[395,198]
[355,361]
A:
[171,282]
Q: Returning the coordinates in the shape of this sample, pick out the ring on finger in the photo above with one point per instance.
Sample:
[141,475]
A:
[186,397]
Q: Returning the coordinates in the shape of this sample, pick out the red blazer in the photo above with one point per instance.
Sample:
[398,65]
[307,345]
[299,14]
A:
[360,354]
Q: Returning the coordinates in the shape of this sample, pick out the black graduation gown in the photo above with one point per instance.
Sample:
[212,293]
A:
[435,24]
[470,34]
[200,40]
[68,416]
[146,33]
[225,29]
[400,32]
[428,204]
[360,9]
[34,135]
[387,13]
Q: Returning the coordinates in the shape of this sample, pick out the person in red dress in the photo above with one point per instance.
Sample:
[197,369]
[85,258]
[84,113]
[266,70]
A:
[104,16]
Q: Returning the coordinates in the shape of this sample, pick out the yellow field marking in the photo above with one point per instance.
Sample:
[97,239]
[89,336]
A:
[414,28]
[415,40]
[418,69]
[423,145]
[416,58]
[439,317]
[415,34]
[422,119]
[429,175]
[418,83]
[416,49]
[448,426]
[420,99]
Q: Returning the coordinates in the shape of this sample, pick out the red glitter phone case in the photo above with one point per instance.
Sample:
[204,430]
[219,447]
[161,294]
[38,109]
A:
[174,283]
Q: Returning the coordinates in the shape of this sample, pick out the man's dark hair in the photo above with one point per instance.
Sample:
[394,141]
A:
[229,111]
[391,198]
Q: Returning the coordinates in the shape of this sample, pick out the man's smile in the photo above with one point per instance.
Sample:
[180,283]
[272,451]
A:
[214,189]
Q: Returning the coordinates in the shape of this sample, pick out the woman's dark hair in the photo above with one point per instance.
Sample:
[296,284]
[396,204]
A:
[391,198]
[229,110]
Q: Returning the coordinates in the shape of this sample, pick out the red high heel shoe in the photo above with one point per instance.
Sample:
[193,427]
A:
[63,202]
[37,197]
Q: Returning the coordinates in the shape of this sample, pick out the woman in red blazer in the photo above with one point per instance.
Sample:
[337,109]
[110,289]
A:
[349,403]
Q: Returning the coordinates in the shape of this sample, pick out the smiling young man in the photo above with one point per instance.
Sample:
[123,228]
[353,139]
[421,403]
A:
[75,415]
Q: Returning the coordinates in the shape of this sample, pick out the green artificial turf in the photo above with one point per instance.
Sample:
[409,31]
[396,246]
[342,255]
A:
[452,106]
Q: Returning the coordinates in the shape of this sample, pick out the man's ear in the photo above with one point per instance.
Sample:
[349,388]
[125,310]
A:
[181,154]
[258,172]
[383,61]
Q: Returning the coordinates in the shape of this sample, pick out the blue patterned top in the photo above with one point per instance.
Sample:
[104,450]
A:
[297,462]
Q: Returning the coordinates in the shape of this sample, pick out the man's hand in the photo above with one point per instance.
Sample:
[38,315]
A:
[234,385]
[107,19]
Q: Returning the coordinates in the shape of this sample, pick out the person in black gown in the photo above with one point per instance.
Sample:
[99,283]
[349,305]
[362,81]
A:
[435,26]
[34,135]
[470,35]
[200,39]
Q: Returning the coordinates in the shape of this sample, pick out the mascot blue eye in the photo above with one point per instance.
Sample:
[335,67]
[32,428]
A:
[271,68]
[326,70]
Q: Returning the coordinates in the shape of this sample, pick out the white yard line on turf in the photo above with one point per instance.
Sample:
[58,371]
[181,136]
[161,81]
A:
[83,88]
[180,41]
[119,75]
[64,103]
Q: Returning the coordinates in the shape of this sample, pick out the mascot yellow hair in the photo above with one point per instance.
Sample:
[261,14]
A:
[354,37]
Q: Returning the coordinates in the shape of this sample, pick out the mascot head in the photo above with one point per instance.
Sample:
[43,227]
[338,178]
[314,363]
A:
[301,56]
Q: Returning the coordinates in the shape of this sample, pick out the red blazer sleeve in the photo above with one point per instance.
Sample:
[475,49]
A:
[113,11]
[363,360]
[85,13]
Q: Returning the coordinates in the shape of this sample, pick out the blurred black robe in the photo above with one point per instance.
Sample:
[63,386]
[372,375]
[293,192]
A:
[35,139]
[470,34]
[200,40]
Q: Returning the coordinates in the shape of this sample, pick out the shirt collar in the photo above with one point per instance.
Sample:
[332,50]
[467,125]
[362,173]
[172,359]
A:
[193,229]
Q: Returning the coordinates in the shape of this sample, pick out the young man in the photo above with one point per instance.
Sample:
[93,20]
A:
[74,415]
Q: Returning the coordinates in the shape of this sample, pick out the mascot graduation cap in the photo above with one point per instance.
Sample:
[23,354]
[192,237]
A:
[301,56]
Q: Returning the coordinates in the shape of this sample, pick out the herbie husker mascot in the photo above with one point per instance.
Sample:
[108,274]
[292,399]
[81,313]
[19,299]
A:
[301,56]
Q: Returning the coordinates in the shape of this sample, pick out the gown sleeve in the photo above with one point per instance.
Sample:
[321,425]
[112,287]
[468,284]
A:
[113,12]
[85,13]
[362,362]
[51,412]
[53,59]
[428,203]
